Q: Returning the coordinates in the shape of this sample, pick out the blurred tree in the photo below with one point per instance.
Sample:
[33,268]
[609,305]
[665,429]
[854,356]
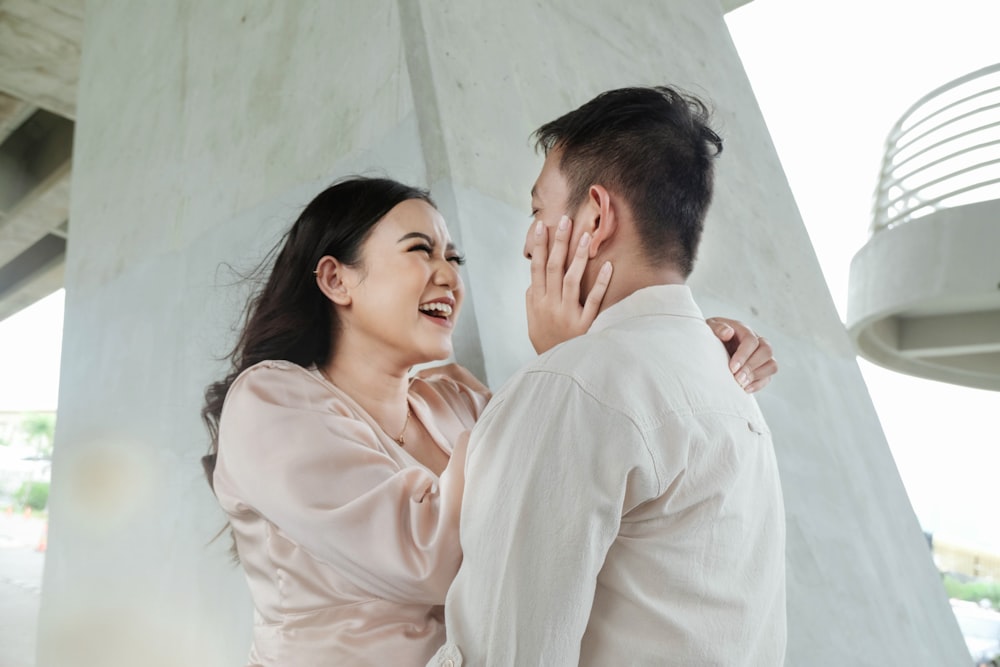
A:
[973,591]
[34,495]
[39,429]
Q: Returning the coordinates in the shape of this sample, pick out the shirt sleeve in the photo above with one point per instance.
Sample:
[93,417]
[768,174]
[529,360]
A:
[319,476]
[550,472]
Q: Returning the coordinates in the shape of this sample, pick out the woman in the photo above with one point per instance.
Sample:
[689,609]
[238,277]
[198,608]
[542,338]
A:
[340,474]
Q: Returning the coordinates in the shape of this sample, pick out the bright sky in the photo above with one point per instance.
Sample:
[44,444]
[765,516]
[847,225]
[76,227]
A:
[831,79]
[30,347]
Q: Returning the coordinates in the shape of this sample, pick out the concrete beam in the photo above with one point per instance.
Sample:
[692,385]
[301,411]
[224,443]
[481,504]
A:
[13,112]
[40,52]
[32,275]
[35,164]
[35,161]
[42,212]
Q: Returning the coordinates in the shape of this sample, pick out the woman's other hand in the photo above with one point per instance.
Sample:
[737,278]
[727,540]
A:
[751,358]
[555,313]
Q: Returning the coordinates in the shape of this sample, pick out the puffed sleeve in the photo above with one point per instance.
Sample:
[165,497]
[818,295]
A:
[318,475]
[458,387]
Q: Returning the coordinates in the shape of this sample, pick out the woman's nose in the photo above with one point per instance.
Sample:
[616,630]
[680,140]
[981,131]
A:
[447,275]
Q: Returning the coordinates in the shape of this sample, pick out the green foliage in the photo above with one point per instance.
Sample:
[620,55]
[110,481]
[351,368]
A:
[973,591]
[39,428]
[34,495]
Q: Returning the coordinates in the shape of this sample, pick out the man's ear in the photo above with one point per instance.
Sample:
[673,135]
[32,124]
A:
[330,280]
[601,209]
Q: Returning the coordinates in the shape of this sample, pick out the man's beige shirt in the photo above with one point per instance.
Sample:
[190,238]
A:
[622,506]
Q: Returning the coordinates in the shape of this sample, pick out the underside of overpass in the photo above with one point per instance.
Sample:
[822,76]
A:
[39,67]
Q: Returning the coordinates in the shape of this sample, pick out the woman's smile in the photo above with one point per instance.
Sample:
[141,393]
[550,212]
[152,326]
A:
[439,311]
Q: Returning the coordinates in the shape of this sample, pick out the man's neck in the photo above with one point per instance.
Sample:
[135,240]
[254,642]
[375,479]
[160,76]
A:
[627,281]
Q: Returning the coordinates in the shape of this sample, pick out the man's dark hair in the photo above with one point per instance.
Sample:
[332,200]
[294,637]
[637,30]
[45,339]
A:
[651,146]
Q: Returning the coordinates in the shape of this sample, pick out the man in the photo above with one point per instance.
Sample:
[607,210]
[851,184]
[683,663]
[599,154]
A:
[622,501]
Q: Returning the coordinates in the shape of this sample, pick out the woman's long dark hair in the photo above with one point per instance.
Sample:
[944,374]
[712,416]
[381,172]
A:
[290,318]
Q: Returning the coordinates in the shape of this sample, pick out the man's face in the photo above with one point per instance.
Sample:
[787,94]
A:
[549,202]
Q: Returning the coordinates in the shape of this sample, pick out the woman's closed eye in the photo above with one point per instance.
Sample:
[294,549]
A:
[458,260]
[422,247]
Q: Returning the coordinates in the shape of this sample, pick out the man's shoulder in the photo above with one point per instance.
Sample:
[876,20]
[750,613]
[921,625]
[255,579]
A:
[631,343]
[655,365]
[572,368]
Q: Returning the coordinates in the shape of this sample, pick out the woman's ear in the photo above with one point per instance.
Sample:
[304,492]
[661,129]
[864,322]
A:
[602,211]
[330,280]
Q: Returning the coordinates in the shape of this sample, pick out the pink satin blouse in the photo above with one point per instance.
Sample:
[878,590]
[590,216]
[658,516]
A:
[348,543]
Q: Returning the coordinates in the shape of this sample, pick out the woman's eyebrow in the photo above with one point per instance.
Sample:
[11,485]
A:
[416,235]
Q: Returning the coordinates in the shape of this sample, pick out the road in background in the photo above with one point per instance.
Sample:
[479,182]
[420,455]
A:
[21,564]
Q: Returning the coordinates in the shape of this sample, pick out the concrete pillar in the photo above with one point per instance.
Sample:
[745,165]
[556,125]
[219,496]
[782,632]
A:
[201,130]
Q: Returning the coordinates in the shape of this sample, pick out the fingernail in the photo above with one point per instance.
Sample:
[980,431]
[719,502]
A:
[743,379]
[734,365]
[539,227]
[606,269]
[584,240]
[563,223]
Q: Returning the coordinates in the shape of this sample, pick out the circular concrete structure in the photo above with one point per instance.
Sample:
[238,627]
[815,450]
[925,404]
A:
[924,296]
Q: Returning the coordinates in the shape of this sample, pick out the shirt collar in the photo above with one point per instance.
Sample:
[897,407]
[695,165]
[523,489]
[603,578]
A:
[674,300]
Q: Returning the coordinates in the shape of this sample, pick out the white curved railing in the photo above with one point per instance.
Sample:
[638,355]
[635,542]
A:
[943,152]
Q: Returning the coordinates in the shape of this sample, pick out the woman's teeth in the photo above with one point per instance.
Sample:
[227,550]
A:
[436,309]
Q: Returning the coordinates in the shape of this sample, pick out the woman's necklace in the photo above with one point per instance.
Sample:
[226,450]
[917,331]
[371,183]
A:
[406,422]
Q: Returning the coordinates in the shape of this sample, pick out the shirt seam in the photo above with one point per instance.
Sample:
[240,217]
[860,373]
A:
[656,421]
[588,392]
[612,323]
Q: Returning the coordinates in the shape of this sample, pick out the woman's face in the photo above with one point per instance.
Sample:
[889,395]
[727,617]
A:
[406,291]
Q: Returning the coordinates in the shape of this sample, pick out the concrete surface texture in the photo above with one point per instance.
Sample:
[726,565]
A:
[203,127]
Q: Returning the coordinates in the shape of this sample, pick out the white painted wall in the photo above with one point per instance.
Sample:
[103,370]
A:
[202,128]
